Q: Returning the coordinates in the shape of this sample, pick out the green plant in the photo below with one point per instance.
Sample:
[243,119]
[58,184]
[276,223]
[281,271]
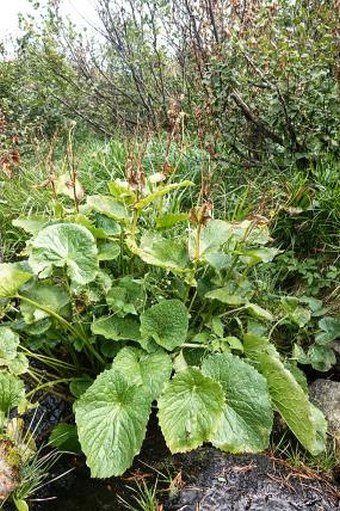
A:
[324,463]
[24,468]
[144,497]
[319,353]
[151,303]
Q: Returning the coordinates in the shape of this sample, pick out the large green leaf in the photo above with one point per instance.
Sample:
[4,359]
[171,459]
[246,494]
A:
[292,308]
[69,245]
[127,297]
[111,418]
[330,330]
[157,251]
[259,255]
[108,250]
[18,365]
[12,277]
[64,437]
[107,226]
[208,240]
[9,342]
[233,293]
[31,224]
[151,370]
[247,418]
[170,219]
[12,392]
[321,358]
[166,323]
[251,232]
[287,395]
[53,297]
[109,206]
[15,362]
[117,329]
[190,408]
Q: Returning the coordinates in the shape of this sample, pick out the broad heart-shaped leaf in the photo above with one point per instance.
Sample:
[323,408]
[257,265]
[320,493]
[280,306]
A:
[111,418]
[259,255]
[252,232]
[69,245]
[31,224]
[322,358]
[18,365]
[170,219]
[247,418]
[54,297]
[107,226]
[117,329]
[12,392]
[209,239]
[233,293]
[64,437]
[190,408]
[109,206]
[151,370]
[108,250]
[97,231]
[292,308]
[330,330]
[287,395]
[127,297]
[166,323]
[157,251]
[12,277]
[9,342]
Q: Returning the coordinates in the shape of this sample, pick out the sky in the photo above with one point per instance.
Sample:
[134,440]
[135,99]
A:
[79,10]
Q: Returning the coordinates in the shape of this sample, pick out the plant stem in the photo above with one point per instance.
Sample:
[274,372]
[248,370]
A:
[192,345]
[48,384]
[276,325]
[67,325]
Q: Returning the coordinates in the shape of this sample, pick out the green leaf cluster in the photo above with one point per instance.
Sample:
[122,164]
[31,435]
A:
[162,320]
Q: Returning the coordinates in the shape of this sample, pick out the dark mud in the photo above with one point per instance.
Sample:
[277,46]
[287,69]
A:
[215,481]
[203,480]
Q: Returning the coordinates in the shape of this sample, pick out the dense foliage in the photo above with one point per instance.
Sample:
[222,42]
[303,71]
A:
[189,265]
[167,311]
[259,81]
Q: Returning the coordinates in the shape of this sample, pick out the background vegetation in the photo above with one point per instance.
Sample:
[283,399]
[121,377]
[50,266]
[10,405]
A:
[239,98]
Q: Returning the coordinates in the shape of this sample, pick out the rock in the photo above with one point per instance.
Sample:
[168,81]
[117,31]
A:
[335,345]
[326,395]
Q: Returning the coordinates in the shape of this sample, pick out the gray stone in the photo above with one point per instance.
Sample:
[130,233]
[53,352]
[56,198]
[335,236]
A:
[326,395]
[335,345]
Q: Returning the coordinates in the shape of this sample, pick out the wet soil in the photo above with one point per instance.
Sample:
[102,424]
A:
[202,480]
[215,481]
